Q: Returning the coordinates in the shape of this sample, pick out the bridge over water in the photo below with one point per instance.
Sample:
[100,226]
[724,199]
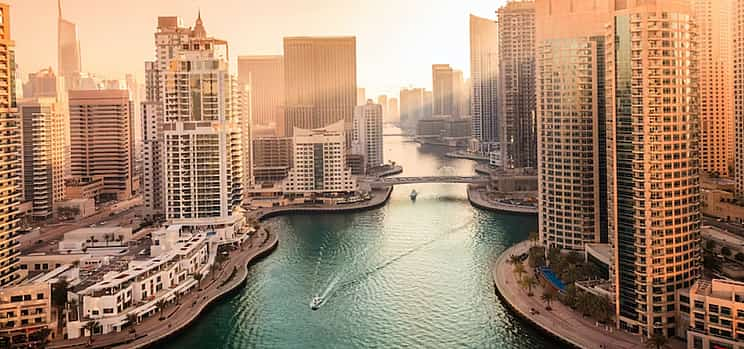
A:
[435,179]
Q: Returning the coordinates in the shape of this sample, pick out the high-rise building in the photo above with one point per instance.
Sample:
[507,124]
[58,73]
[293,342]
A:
[428,104]
[265,75]
[68,50]
[461,95]
[202,147]
[714,42]
[320,84]
[242,97]
[739,95]
[43,154]
[46,84]
[411,108]
[517,90]
[738,53]
[443,82]
[320,162]
[272,159]
[43,83]
[367,134]
[171,36]
[361,96]
[101,138]
[572,166]
[10,161]
[383,101]
[653,162]
[393,109]
[484,73]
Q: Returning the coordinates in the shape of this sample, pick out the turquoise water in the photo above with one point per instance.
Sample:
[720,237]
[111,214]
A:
[410,274]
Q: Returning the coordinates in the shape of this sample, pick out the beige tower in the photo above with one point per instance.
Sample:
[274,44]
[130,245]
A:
[571,122]
[714,42]
[653,162]
[320,85]
[739,95]
[265,75]
[484,69]
[43,154]
[101,139]
[517,78]
[10,162]
[443,82]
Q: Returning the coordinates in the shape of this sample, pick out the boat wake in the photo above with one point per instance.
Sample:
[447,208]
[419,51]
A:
[334,286]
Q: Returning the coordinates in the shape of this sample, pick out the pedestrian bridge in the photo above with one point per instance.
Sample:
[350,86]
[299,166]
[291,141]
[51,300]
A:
[435,179]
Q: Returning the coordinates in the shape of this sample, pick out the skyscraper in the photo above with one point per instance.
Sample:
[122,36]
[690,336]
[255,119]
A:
[393,109]
[443,82]
[714,41]
[739,95]
[367,134]
[361,96]
[102,140]
[43,154]
[320,84]
[517,75]
[571,119]
[383,101]
[265,74]
[171,36]
[68,50]
[484,70]
[411,108]
[203,179]
[653,162]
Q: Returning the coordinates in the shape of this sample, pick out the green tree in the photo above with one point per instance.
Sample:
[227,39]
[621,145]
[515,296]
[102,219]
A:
[528,282]
[710,245]
[514,260]
[548,296]
[161,307]
[569,297]
[132,321]
[519,270]
[198,277]
[656,342]
[739,256]
[91,327]
[534,237]
[726,251]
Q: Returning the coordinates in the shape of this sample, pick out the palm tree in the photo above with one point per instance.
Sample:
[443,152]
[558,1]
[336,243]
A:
[584,303]
[161,306]
[132,320]
[91,326]
[59,299]
[548,296]
[570,296]
[529,282]
[198,277]
[519,270]
[514,260]
[534,237]
[656,342]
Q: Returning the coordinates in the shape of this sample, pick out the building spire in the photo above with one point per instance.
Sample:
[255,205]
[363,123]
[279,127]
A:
[199,30]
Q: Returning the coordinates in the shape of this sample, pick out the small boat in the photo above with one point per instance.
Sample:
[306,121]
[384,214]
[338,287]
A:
[413,195]
[316,302]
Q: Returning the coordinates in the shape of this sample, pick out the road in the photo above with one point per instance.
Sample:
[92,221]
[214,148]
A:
[734,228]
[55,232]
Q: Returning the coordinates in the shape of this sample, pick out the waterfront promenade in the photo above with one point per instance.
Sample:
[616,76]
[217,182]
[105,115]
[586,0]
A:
[479,199]
[379,198]
[179,316]
[561,322]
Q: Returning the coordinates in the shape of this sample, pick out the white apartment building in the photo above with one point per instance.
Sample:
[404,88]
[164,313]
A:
[320,163]
[366,137]
[202,148]
[138,289]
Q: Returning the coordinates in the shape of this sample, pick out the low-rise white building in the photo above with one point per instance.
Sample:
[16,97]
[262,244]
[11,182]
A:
[137,289]
[319,166]
[79,240]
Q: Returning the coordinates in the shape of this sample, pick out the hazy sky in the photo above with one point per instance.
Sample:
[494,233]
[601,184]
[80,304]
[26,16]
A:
[397,40]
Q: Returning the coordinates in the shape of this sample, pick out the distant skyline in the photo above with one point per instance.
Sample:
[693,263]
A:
[397,40]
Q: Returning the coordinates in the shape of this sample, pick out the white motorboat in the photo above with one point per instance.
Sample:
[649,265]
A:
[316,302]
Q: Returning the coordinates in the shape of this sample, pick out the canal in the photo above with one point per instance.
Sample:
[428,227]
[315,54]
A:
[410,274]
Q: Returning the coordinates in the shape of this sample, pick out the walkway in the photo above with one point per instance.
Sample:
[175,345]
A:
[479,198]
[179,316]
[379,198]
[562,321]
